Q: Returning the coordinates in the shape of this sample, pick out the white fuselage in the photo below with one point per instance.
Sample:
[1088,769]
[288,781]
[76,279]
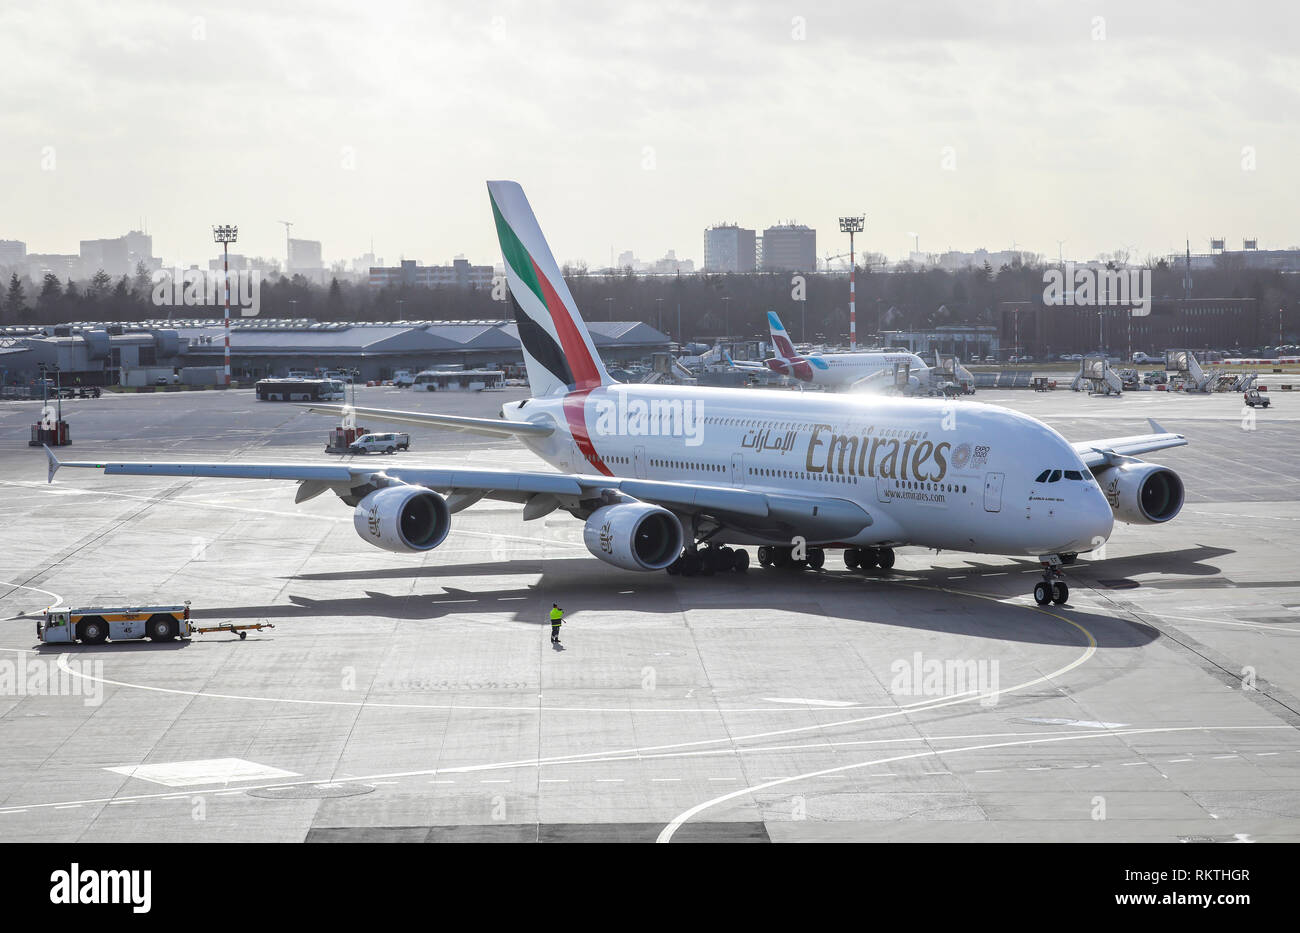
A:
[938,474]
[841,370]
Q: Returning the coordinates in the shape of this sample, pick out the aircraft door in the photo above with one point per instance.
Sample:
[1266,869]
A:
[993,492]
[638,461]
[737,469]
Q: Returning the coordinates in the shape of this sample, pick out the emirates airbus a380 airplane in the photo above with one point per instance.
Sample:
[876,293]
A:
[680,478]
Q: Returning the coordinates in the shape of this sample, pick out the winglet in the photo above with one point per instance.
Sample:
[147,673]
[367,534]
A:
[54,463]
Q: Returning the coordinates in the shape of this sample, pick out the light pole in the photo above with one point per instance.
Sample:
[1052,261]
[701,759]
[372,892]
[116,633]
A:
[726,316]
[659,313]
[225,235]
[852,225]
[609,309]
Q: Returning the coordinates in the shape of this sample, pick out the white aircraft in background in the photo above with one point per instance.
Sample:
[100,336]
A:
[681,478]
[864,369]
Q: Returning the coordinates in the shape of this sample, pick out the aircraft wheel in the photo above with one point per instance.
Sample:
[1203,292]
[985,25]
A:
[740,560]
[867,558]
[1060,593]
[885,558]
[816,558]
[691,563]
[781,557]
[675,567]
[1068,558]
[851,558]
[765,556]
[1042,594]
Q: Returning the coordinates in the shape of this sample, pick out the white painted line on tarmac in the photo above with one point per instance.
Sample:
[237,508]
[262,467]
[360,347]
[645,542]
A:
[669,830]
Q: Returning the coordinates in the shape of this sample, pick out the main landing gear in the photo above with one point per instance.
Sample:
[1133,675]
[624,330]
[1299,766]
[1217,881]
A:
[706,561]
[1052,588]
[868,557]
[783,557]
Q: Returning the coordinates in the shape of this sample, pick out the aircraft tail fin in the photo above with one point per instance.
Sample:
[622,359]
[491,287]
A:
[780,339]
[559,353]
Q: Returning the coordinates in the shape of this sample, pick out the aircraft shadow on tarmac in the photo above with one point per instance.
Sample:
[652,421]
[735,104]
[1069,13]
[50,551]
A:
[914,604]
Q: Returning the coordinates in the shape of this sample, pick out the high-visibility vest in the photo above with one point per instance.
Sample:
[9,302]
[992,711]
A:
[557,614]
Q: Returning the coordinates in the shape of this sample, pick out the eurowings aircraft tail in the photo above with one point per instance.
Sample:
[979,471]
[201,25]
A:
[780,339]
[559,353]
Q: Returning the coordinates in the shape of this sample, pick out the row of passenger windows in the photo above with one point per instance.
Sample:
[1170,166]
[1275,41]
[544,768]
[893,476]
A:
[1053,476]
[689,465]
[799,474]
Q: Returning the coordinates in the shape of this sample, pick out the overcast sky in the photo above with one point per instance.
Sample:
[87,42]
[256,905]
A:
[636,125]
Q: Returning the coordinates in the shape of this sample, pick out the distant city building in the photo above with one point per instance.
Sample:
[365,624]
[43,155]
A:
[118,256]
[626,260]
[729,248]
[671,265]
[63,265]
[789,248]
[955,260]
[13,255]
[363,264]
[1281,260]
[304,257]
[460,274]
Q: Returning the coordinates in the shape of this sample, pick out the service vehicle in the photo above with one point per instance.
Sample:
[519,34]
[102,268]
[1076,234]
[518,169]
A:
[380,443]
[299,390]
[95,625]
[1254,399]
[403,378]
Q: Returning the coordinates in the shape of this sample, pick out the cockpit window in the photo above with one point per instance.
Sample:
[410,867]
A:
[1073,474]
[1042,477]
[1056,475]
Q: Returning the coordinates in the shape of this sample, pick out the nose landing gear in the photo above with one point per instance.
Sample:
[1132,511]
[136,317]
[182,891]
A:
[1052,588]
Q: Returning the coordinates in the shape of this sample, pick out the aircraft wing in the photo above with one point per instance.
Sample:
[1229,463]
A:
[817,518]
[493,427]
[1097,455]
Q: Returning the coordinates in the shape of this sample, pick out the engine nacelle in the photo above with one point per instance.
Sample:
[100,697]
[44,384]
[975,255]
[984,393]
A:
[634,536]
[1142,493]
[402,518]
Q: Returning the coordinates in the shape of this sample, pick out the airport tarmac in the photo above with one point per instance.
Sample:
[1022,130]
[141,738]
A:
[417,697]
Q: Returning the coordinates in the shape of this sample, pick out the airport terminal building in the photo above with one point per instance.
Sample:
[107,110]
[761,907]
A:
[106,354]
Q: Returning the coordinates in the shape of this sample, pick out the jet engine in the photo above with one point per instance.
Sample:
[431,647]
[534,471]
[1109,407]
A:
[402,518]
[1142,493]
[634,536]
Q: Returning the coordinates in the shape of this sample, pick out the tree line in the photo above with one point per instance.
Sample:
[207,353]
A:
[700,306]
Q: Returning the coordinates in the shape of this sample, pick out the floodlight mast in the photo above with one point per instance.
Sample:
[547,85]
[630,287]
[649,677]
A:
[852,225]
[225,235]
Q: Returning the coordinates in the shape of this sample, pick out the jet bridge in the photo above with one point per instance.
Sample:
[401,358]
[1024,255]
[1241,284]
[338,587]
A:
[1096,376]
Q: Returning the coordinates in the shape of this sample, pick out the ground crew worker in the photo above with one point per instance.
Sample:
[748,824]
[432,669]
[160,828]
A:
[557,619]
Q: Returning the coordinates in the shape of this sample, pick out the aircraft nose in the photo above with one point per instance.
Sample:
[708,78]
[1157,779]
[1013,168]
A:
[1095,521]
